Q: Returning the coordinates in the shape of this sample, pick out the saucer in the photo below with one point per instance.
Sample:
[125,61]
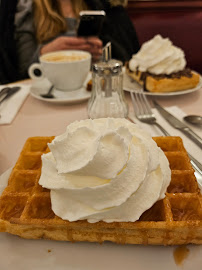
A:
[41,87]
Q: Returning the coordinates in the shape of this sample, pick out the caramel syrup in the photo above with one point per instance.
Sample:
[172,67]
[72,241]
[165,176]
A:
[180,254]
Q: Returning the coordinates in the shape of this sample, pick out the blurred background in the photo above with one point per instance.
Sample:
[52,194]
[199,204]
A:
[181,21]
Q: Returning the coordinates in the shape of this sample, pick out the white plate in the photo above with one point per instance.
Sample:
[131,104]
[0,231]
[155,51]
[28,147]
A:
[130,85]
[61,97]
[20,254]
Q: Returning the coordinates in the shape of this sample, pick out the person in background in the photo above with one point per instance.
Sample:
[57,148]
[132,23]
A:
[43,26]
[8,57]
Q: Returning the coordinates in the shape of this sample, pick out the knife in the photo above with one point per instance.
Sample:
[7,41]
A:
[173,121]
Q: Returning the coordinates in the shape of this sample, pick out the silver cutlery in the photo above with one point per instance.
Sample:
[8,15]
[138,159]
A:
[143,110]
[174,122]
[9,92]
[48,95]
[194,119]
[4,91]
[144,114]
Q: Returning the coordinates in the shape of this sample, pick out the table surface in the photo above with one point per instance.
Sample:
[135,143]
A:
[39,118]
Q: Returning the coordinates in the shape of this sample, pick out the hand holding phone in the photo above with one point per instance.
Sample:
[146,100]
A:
[91,22]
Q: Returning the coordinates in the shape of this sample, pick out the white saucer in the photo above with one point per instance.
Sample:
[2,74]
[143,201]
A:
[61,97]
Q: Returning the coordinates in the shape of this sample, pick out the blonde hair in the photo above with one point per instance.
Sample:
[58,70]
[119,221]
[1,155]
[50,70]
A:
[48,19]
[119,2]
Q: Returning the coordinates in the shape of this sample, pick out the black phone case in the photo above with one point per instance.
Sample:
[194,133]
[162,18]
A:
[90,25]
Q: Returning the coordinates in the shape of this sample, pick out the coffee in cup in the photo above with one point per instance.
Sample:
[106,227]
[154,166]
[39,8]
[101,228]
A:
[66,70]
[64,58]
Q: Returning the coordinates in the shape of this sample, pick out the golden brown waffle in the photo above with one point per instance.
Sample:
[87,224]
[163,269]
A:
[163,85]
[25,207]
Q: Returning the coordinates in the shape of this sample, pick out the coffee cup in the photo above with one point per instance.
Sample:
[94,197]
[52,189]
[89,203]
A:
[66,70]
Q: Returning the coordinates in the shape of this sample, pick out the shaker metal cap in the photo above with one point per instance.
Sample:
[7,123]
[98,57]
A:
[111,67]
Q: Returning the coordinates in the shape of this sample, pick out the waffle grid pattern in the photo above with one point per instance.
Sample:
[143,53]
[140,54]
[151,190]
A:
[25,207]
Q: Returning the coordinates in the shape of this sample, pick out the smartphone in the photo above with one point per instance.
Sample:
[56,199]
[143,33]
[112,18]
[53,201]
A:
[91,22]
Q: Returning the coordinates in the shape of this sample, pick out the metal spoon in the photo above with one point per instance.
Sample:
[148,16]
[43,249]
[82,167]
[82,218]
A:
[48,95]
[194,119]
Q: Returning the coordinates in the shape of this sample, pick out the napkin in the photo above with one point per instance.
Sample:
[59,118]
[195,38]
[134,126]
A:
[10,107]
[190,146]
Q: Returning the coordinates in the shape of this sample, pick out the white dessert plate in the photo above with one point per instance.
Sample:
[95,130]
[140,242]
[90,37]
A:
[131,85]
[41,87]
[22,254]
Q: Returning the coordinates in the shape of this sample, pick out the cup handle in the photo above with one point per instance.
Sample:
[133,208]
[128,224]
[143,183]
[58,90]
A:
[31,72]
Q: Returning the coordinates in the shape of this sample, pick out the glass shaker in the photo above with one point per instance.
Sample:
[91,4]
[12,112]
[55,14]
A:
[107,98]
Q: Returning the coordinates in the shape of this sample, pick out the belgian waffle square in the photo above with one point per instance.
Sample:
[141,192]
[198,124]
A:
[25,207]
[160,84]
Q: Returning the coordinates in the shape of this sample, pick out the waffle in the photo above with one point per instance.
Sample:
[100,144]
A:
[25,207]
[165,84]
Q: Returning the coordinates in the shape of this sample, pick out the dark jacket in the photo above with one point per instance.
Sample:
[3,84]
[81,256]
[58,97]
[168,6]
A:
[117,28]
[8,57]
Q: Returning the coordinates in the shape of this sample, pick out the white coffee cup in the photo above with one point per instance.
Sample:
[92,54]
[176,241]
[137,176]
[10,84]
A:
[66,70]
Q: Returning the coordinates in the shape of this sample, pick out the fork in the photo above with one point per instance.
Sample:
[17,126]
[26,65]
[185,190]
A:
[144,114]
[143,110]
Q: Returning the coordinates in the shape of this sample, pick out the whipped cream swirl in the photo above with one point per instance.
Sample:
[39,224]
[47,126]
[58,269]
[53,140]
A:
[104,169]
[158,56]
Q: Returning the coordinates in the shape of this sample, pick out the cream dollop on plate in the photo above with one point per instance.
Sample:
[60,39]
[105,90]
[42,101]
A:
[158,56]
[104,169]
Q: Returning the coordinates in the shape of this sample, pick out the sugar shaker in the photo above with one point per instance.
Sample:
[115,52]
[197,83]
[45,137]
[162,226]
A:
[107,98]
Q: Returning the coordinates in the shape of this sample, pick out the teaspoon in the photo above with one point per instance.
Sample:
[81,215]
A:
[48,95]
[194,119]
